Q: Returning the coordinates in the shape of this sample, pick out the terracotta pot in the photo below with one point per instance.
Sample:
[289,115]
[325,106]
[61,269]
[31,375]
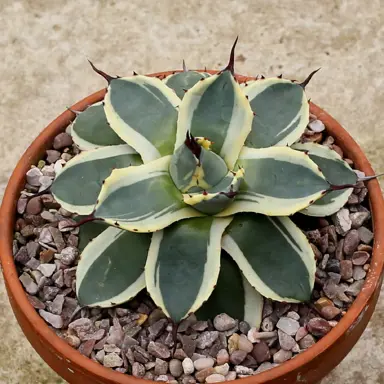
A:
[308,367]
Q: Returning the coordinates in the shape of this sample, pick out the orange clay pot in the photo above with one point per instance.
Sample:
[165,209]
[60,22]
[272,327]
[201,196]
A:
[308,367]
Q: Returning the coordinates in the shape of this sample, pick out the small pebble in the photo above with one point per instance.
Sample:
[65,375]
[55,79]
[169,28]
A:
[261,352]
[318,327]
[237,357]
[223,322]
[355,288]
[288,325]
[351,242]
[112,360]
[203,363]
[330,312]
[206,339]
[203,374]
[244,344]
[286,342]
[55,320]
[358,219]
[138,370]
[231,376]
[161,366]
[222,369]
[62,140]
[342,221]
[47,269]
[359,273]
[188,366]
[158,350]
[316,126]
[215,378]
[281,356]
[28,283]
[366,236]
[222,357]
[307,341]
[346,269]
[360,257]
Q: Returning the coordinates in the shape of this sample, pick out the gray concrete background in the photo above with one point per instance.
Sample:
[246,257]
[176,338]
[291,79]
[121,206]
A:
[43,50]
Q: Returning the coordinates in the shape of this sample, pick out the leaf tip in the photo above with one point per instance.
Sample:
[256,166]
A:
[101,73]
[308,79]
[231,64]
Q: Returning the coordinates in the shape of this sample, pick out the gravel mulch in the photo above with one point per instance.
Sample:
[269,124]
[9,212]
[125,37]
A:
[137,338]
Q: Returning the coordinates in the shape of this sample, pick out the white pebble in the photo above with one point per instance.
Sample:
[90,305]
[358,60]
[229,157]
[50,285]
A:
[231,376]
[203,363]
[215,378]
[222,369]
[188,366]
[316,126]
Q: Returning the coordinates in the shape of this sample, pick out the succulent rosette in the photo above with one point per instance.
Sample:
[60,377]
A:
[175,170]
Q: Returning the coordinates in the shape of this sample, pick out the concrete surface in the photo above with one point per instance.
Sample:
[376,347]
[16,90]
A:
[43,50]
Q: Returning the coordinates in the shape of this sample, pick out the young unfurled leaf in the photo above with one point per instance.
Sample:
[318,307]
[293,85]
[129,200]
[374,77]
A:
[216,108]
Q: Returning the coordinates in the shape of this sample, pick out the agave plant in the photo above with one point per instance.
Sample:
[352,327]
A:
[184,167]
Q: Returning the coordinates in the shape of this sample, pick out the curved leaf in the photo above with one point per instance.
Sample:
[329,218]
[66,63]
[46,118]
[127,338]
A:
[278,181]
[192,174]
[143,112]
[274,256]
[91,130]
[89,231]
[111,268]
[233,295]
[183,265]
[219,197]
[79,183]
[216,108]
[142,198]
[336,171]
[282,112]
[182,81]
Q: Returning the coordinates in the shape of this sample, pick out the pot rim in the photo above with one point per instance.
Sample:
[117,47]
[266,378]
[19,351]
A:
[60,347]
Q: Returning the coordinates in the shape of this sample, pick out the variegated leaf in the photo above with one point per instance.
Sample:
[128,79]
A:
[191,174]
[89,231]
[142,198]
[111,268]
[183,265]
[282,265]
[183,81]
[233,295]
[216,199]
[216,108]
[91,130]
[143,112]
[278,181]
[337,172]
[79,183]
[282,112]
